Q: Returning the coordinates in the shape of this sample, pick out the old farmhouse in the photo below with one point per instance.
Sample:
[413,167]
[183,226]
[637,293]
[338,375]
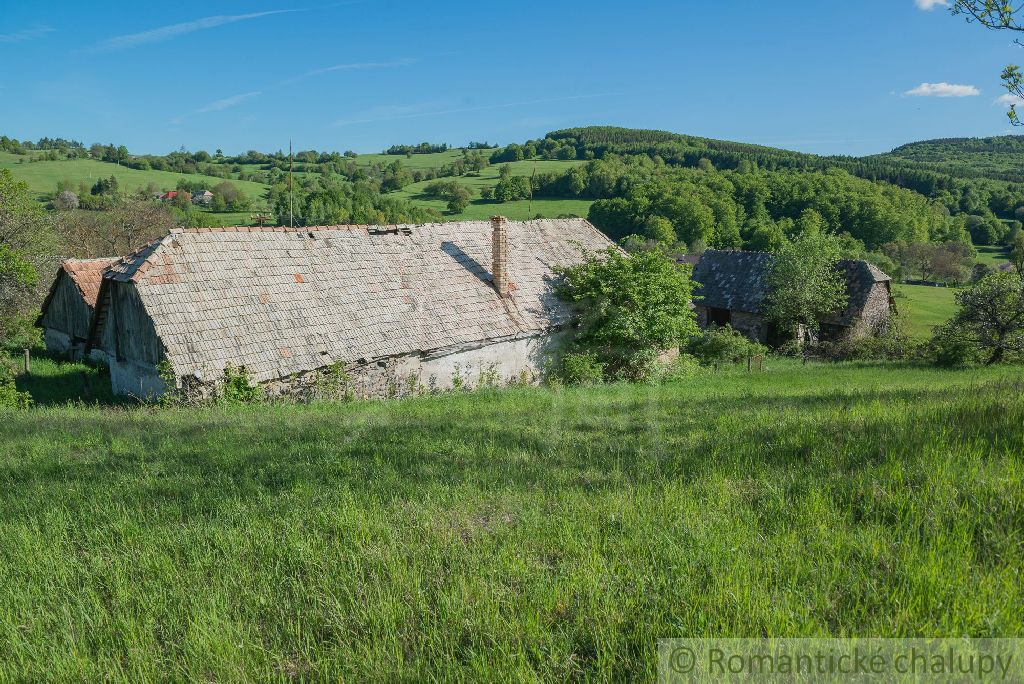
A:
[394,306]
[67,311]
[731,288]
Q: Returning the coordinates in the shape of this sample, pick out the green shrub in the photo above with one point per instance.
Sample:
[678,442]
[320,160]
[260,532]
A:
[581,368]
[10,397]
[952,347]
[681,368]
[627,308]
[890,345]
[723,345]
[237,388]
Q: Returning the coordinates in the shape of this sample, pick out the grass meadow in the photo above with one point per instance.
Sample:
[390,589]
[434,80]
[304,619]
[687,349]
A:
[993,255]
[922,307]
[530,533]
[42,176]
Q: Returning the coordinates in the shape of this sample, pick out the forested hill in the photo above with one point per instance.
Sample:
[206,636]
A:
[673,188]
[999,157]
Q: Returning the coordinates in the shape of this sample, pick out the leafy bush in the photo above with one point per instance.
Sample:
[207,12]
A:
[626,308]
[237,388]
[890,345]
[951,347]
[10,397]
[682,367]
[723,345]
[581,368]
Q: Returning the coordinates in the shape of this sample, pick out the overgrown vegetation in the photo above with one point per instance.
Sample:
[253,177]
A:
[805,285]
[720,346]
[527,534]
[627,309]
[989,325]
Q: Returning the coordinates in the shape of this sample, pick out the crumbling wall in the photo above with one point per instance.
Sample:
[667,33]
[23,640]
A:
[751,325]
[501,363]
[877,313]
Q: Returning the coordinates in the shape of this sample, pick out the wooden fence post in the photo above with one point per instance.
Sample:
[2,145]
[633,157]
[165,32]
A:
[28,363]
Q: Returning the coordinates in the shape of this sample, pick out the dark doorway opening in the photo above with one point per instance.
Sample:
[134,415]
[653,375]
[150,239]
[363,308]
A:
[719,317]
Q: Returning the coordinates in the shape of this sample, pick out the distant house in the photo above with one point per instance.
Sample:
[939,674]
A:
[68,309]
[169,196]
[732,287]
[202,198]
[394,307]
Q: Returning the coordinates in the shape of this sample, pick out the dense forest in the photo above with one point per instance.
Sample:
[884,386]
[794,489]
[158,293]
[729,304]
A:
[1000,157]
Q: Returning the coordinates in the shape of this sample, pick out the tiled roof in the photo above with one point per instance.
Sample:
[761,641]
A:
[87,274]
[732,280]
[283,301]
[738,281]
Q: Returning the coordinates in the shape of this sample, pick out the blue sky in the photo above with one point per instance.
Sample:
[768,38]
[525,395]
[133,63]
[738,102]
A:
[821,76]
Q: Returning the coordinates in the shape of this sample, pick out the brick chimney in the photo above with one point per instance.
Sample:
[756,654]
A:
[499,254]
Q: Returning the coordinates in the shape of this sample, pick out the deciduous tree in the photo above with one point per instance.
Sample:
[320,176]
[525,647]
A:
[804,284]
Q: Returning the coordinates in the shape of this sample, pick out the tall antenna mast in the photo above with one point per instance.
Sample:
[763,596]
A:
[291,218]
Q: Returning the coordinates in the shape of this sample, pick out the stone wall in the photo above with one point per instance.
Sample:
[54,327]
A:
[877,312]
[751,325]
[133,379]
[57,341]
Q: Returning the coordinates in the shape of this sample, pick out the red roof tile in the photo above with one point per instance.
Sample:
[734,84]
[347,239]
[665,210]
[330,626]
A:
[87,274]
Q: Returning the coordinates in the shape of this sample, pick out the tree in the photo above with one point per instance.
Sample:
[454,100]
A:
[126,226]
[998,15]
[66,201]
[1017,254]
[627,308]
[991,316]
[457,205]
[28,247]
[183,199]
[804,283]
[659,229]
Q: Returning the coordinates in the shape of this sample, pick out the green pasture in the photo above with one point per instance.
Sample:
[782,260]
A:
[522,534]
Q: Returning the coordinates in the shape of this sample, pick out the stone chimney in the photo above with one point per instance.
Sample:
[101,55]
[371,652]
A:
[499,254]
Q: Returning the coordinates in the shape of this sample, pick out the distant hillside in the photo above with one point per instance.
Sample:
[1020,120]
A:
[999,157]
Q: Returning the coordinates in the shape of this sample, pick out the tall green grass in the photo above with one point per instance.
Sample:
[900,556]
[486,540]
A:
[922,307]
[522,534]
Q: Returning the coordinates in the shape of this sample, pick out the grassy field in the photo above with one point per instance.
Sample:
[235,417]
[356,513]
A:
[42,177]
[529,533]
[992,255]
[922,307]
[480,209]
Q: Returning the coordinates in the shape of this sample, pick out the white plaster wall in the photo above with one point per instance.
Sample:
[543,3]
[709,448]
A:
[499,363]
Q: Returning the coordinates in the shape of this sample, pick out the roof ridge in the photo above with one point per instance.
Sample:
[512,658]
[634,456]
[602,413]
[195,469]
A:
[350,226]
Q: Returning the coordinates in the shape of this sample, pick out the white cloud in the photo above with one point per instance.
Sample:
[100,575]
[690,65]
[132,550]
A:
[228,102]
[943,90]
[929,5]
[1005,100]
[173,30]
[25,34]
